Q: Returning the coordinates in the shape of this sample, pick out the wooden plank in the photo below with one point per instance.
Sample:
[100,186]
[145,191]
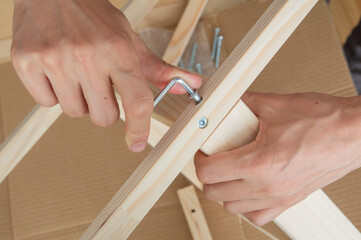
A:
[5,46]
[184,31]
[194,214]
[24,137]
[131,203]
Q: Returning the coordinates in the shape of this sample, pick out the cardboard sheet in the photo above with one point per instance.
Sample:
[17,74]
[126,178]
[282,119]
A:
[75,169]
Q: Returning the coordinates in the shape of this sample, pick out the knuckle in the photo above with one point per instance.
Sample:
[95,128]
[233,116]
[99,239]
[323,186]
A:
[104,122]
[143,106]
[271,191]
[257,219]
[119,43]
[75,111]
[209,193]
[230,208]
[51,58]
[202,174]
[46,102]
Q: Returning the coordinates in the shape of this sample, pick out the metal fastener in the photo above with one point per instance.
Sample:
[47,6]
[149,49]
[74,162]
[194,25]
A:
[192,93]
[181,64]
[199,68]
[193,56]
[203,122]
[219,49]
[215,40]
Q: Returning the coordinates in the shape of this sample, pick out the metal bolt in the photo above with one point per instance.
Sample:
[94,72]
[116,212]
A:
[215,40]
[193,56]
[203,122]
[181,64]
[199,68]
[219,48]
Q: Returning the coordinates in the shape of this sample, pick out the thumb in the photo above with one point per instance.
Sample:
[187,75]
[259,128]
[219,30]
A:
[159,72]
[257,102]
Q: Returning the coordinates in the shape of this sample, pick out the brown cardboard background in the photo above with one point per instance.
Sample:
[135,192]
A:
[74,170]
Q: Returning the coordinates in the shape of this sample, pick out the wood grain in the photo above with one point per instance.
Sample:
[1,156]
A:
[194,214]
[131,203]
[5,46]
[184,31]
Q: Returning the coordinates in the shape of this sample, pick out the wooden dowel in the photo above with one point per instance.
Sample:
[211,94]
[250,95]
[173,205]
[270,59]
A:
[194,214]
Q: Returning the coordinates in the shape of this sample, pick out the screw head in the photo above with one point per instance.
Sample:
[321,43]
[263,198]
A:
[203,122]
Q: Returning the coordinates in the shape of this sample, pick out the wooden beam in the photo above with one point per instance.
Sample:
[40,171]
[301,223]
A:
[5,45]
[184,31]
[24,137]
[194,214]
[137,196]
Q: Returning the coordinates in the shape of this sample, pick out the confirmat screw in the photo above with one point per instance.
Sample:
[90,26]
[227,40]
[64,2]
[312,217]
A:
[199,68]
[219,49]
[181,64]
[193,56]
[215,40]
[203,122]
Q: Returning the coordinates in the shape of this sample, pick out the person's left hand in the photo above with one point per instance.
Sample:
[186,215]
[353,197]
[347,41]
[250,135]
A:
[305,142]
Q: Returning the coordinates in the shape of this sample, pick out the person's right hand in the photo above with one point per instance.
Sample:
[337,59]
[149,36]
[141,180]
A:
[73,52]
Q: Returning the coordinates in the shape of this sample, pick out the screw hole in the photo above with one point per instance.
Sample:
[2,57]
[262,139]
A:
[193,211]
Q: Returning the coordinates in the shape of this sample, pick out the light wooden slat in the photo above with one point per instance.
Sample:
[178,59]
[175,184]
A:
[184,31]
[28,132]
[25,136]
[5,46]
[167,159]
[194,214]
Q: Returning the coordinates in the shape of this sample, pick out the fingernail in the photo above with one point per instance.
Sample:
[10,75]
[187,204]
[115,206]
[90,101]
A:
[138,147]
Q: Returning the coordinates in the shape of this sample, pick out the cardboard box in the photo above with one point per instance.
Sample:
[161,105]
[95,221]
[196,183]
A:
[76,167]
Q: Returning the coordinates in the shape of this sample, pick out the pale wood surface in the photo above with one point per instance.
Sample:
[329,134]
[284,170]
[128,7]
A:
[40,119]
[184,31]
[158,170]
[194,214]
[25,136]
[5,46]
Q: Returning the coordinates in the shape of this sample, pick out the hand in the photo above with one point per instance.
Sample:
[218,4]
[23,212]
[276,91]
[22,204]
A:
[305,142]
[74,52]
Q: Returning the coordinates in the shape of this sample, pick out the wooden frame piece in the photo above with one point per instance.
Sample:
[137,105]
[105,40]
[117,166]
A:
[194,214]
[5,46]
[184,31]
[131,203]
